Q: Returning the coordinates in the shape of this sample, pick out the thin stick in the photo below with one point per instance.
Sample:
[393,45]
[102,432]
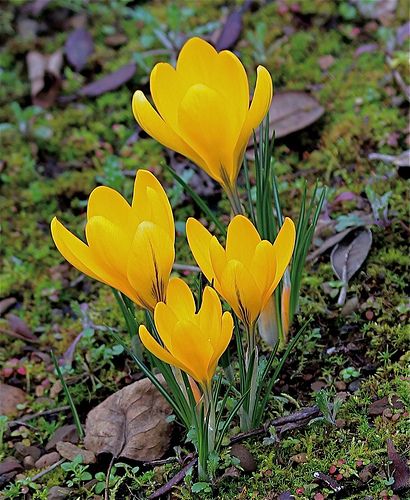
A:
[49,469]
[25,418]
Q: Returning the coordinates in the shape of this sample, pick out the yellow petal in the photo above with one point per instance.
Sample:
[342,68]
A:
[167,90]
[209,129]
[210,314]
[260,104]
[241,292]
[165,322]
[190,352]
[108,203]
[157,128]
[263,266]
[151,203]
[241,240]
[110,244]
[199,239]
[223,342]
[218,260]
[283,249]
[152,345]
[180,299]
[197,62]
[150,263]
[75,251]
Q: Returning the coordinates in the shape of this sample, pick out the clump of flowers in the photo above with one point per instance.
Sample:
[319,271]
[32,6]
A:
[202,110]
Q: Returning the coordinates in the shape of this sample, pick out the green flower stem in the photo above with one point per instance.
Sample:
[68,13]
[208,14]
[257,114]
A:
[251,380]
[233,197]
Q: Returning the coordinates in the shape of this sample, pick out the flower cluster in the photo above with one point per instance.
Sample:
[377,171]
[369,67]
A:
[203,111]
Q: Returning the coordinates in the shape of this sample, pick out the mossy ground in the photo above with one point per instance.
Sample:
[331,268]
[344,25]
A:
[51,160]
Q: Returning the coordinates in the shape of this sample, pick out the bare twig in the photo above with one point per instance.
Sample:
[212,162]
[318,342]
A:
[173,481]
[184,267]
[43,413]
[107,479]
[49,469]
[300,417]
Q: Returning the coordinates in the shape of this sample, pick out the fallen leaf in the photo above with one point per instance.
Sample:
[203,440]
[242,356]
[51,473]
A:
[329,243]
[348,256]
[403,33]
[286,495]
[37,6]
[366,49]
[377,407]
[5,304]
[130,424]
[289,112]
[231,31]
[10,397]
[78,48]
[45,78]
[19,328]
[383,10]
[69,451]
[401,471]
[116,40]
[109,82]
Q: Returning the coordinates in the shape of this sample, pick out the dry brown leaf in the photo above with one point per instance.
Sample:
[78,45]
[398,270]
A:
[290,112]
[20,329]
[130,423]
[78,48]
[45,77]
[10,397]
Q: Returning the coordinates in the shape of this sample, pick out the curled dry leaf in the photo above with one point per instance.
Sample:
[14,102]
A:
[130,424]
[289,112]
[348,256]
[78,48]
[45,77]
[401,472]
[20,329]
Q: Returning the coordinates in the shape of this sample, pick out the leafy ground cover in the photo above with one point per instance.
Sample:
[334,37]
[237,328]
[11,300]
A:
[64,130]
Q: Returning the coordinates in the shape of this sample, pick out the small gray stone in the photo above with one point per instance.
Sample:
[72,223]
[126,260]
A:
[47,460]
[70,451]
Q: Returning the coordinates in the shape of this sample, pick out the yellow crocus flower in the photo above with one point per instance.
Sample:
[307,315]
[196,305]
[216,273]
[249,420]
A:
[247,272]
[129,247]
[193,342]
[202,108]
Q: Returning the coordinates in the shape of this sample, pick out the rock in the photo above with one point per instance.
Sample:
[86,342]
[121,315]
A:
[28,462]
[58,493]
[340,385]
[354,386]
[317,386]
[10,397]
[245,457]
[70,451]
[23,451]
[47,460]
[67,433]
[9,464]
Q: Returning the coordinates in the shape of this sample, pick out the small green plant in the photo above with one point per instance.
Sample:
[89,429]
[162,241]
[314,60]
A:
[349,373]
[329,407]
[79,472]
